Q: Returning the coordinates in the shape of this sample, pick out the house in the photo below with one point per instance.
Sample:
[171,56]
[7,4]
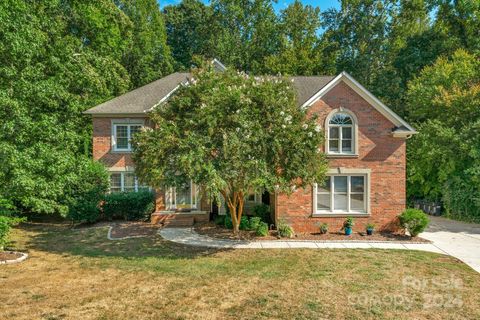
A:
[365,144]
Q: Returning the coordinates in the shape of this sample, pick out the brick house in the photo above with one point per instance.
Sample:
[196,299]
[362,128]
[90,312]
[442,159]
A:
[365,145]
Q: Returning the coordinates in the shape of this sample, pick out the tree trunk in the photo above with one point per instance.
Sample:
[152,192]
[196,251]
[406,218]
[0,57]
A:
[235,205]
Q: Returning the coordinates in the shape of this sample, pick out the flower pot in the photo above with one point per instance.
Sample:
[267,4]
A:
[348,231]
[369,232]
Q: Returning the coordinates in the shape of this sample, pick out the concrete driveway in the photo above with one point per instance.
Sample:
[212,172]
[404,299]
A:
[458,239]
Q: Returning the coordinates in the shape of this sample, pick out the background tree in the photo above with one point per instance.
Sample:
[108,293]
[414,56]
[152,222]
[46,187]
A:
[444,158]
[231,134]
[300,47]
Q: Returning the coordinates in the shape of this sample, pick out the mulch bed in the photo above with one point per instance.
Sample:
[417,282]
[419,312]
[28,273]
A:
[133,229]
[215,231]
[6,255]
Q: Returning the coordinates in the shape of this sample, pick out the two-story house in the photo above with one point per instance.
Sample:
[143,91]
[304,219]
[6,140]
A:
[365,144]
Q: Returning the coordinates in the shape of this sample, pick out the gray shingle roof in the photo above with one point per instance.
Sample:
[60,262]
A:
[141,99]
[144,98]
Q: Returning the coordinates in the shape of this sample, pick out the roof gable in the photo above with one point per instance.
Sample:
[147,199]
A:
[406,129]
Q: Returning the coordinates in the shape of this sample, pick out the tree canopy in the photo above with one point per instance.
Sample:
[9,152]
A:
[231,133]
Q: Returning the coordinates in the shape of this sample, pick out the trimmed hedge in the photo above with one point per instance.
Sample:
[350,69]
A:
[128,205]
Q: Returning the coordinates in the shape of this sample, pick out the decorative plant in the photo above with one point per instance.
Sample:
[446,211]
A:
[348,223]
[262,229]
[255,222]
[413,220]
[370,227]
[284,230]
[323,228]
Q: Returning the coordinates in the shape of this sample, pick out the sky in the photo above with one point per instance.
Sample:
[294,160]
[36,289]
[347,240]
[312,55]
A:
[281,4]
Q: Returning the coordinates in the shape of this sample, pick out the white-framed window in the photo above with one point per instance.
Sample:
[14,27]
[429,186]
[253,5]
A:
[122,134]
[341,133]
[183,197]
[342,193]
[125,182]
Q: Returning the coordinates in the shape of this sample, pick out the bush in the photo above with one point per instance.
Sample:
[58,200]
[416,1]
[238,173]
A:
[413,220]
[348,223]
[129,205]
[255,222]
[244,224]
[220,220]
[262,229]
[7,220]
[461,199]
[323,228]
[228,222]
[284,230]
[262,211]
[87,192]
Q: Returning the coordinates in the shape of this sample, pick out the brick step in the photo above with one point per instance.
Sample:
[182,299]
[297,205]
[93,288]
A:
[180,218]
[183,222]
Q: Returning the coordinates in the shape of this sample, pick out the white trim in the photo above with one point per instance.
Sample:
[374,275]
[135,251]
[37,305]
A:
[348,172]
[163,99]
[123,122]
[171,197]
[365,94]
[219,64]
[354,152]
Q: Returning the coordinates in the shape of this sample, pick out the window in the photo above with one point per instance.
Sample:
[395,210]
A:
[184,197]
[122,135]
[342,194]
[341,134]
[125,182]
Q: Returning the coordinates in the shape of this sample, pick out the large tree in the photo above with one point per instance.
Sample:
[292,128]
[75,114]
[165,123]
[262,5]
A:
[231,134]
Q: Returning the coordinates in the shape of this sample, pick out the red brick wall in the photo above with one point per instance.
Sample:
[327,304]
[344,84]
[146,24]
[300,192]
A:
[378,151]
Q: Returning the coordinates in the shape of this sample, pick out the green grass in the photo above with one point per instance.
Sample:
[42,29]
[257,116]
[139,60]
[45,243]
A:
[80,274]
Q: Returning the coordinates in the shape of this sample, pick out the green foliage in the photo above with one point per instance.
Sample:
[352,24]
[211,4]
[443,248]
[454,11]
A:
[129,205]
[254,223]
[262,230]
[7,220]
[87,192]
[461,199]
[244,224]
[370,226]
[284,230]
[220,220]
[57,59]
[231,133]
[228,222]
[348,223]
[262,211]
[323,228]
[413,220]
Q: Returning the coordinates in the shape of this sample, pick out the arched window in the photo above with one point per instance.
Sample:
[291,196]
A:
[341,133]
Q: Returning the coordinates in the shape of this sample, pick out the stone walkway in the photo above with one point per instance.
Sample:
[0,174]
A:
[189,237]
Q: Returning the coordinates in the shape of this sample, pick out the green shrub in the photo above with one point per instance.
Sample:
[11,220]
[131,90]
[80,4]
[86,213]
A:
[228,222]
[262,211]
[370,226]
[284,230]
[323,228]
[129,205]
[244,224]
[262,229]
[461,199]
[348,223]
[220,220]
[87,192]
[255,222]
[413,220]
[7,220]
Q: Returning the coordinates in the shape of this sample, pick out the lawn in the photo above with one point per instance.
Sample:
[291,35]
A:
[79,274]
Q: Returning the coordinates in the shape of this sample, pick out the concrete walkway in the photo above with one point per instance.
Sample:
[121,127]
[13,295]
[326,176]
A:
[458,239]
[189,237]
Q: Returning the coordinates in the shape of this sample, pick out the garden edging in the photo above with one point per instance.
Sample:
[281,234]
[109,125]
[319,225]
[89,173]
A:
[23,257]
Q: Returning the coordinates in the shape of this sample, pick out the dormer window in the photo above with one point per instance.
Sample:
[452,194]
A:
[341,134]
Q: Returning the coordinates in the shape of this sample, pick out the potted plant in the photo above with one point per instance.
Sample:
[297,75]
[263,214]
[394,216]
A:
[323,228]
[370,227]
[347,226]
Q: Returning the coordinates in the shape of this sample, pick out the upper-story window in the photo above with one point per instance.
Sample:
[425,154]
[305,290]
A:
[341,133]
[123,134]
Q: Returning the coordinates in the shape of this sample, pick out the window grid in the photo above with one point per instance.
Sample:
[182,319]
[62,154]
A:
[331,193]
[125,182]
[171,197]
[123,136]
[341,134]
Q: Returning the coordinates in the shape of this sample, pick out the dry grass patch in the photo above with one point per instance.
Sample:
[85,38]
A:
[78,274]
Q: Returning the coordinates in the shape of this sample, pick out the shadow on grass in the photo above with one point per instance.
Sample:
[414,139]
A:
[60,238]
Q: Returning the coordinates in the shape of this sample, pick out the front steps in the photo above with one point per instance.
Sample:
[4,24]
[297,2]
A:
[179,219]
